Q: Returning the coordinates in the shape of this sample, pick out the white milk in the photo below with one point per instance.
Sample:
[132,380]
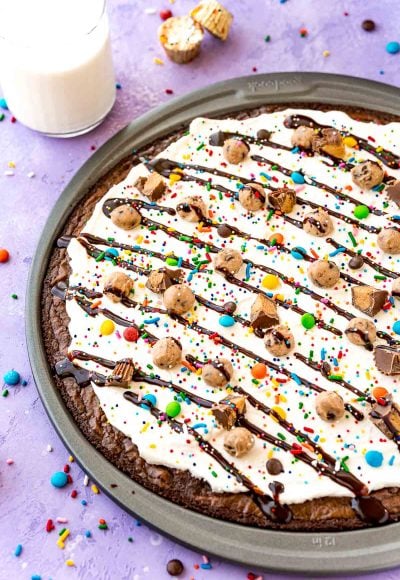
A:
[56,69]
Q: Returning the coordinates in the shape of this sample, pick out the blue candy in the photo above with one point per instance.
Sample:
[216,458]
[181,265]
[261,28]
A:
[3,104]
[297,177]
[396,327]
[297,253]
[374,458]
[393,47]
[12,378]
[59,479]
[111,254]
[226,320]
[151,398]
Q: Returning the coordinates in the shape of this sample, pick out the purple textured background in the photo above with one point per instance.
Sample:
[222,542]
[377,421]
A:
[27,499]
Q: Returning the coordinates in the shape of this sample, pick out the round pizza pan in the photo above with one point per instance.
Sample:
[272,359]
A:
[305,553]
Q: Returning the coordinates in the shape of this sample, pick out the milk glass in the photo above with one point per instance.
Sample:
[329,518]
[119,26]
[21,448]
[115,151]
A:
[56,70]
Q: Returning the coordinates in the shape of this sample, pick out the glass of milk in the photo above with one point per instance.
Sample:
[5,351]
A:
[56,70]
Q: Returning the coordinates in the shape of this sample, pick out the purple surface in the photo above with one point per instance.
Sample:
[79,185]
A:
[27,499]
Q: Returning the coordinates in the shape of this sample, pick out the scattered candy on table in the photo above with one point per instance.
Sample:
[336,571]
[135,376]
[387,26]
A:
[59,479]
[12,378]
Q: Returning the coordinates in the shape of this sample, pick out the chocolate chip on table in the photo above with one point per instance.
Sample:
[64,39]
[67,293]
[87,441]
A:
[174,567]
[230,307]
[368,25]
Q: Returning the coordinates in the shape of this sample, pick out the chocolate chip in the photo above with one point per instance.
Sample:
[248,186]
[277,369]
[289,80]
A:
[224,231]
[368,25]
[264,134]
[274,466]
[356,262]
[229,307]
[174,567]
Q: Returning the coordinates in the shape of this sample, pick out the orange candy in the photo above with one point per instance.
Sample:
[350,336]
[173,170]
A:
[379,392]
[259,371]
[277,237]
[4,255]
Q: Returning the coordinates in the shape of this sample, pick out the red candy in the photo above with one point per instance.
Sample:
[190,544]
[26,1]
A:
[4,255]
[131,334]
[49,526]
[165,14]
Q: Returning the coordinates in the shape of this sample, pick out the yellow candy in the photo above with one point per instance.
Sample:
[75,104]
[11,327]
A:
[350,141]
[270,281]
[281,412]
[107,327]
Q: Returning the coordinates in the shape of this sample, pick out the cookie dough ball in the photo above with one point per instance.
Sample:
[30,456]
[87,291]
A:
[329,141]
[192,209]
[329,406]
[118,285]
[278,340]
[167,353]
[318,223]
[283,199]
[252,196]
[303,137]
[125,217]
[217,373]
[323,274]
[228,261]
[361,331]
[238,442]
[367,174]
[178,298]
[389,241]
[235,151]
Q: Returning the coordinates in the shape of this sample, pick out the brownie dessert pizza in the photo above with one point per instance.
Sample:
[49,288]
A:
[222,317]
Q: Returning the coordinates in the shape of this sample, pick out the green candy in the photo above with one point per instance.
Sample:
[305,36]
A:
[361,212]
[173,409]
[308,320]
[171,261]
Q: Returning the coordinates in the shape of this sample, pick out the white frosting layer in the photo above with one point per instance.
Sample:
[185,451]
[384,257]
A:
[159,444]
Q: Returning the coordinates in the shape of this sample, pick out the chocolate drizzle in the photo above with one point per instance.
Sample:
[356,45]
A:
[387,157]
[270,506]
[95,252]
[313,182]
[285,279]
[110,204]
[366,259]
[371,510]
[325,370]
[167,167]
